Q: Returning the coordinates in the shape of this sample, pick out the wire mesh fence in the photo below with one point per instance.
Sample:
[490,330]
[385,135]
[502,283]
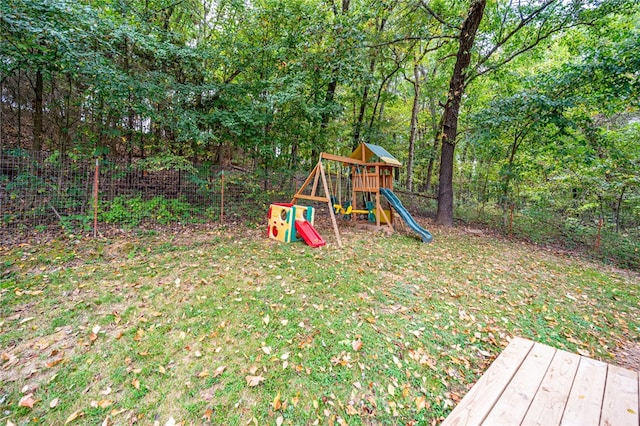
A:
[41,192]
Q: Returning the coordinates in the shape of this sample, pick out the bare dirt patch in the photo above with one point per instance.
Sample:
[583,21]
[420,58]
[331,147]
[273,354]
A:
[32,359]
[628,356]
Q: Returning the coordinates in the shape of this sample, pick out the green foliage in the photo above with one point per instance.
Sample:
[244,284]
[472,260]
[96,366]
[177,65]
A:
[166,161]
[134,211]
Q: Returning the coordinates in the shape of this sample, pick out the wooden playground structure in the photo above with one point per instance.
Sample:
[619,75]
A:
[366,179]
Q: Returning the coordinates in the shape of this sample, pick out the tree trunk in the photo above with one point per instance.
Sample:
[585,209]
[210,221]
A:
[1,114]
[363,106]
[618,208]
[507,179]
[457,85]
[324,120]
[436,127]
[18,97]
[37,112]
[415,109]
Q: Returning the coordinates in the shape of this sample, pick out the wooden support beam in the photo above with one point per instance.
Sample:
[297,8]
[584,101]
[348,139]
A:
[340,158]
[304,185]
[312,198]
[331,213]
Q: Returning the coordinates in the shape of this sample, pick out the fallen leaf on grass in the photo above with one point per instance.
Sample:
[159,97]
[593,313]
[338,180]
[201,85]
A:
[218,371]
[136,383]
[279,421]
[266,350]
[203,373]
[356,345]
[53,363]
[27,401]
[253,381]
[207,414]
[104,403]
[584,352]
[139,335]
[421,403]
[391,389]
[54,402]
[277,402]
[74,416]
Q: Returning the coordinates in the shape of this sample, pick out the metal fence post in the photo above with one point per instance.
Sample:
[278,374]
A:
[95,199]
[222,197]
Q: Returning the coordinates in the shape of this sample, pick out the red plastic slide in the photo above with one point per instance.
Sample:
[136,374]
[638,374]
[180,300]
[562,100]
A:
[309,234]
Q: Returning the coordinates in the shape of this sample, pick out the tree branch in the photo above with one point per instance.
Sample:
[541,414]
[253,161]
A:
[435,16]
[523,21]
[411,38]
[539,38]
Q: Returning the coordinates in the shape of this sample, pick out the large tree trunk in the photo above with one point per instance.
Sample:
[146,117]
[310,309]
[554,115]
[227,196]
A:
[436,127]
[415,109]
[451,110]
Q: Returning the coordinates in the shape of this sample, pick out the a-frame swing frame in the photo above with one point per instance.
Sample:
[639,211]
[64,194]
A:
[318,174]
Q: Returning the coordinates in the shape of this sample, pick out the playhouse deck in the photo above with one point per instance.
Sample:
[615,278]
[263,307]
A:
[534,384]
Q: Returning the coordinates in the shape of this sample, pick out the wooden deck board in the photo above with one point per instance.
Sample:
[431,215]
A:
[620,404]
[517,396]
[549,402]
[478,402]
[585,400]
[534,384]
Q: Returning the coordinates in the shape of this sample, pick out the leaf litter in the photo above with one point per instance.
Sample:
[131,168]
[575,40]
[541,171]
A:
[395,333]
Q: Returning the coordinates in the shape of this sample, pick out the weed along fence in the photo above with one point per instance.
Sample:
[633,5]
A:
[45,192]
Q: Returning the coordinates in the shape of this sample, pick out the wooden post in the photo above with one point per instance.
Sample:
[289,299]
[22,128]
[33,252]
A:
[222,197]
[95,198]
[510,219]
[600,223]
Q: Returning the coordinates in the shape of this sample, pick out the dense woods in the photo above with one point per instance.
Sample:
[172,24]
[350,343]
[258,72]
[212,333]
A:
[501,106]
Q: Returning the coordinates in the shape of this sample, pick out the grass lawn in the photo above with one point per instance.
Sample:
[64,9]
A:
[227,327]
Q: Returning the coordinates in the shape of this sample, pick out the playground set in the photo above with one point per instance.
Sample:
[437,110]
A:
[354,190]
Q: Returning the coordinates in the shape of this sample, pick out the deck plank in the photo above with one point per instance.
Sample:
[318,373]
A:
[585,400]
[480,399]
[620,404]
[549,402]
[512,406]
